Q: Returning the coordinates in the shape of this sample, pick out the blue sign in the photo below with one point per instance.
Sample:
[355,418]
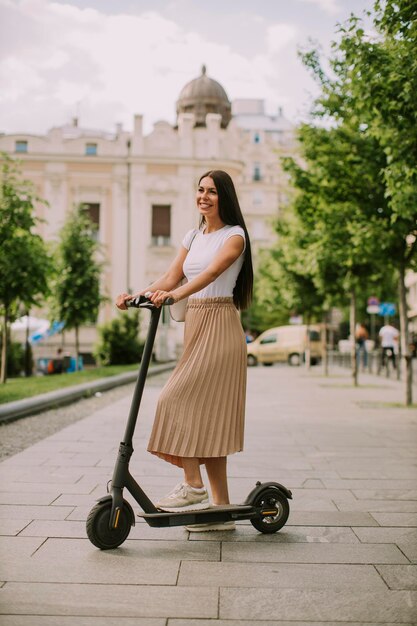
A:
[387,309]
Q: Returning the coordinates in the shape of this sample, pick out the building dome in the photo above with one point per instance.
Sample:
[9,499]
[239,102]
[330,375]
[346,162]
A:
[204,95]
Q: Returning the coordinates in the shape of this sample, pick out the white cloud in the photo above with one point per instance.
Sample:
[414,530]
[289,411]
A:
[279,36]
[58,55]
[329,6]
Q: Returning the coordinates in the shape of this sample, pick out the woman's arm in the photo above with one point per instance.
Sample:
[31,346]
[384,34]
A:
[230,251]
[166,282]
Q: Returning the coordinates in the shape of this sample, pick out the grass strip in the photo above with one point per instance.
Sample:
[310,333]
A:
[20,388]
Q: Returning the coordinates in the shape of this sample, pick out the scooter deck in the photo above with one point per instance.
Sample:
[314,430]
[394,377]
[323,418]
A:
[221,513]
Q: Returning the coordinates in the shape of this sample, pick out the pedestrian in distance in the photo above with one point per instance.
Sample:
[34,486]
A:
[388,336]
[361,337]
[200,413]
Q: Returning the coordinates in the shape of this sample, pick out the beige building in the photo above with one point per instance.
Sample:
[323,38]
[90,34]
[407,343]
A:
[139,189]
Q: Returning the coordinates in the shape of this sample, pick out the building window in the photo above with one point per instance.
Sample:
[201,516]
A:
[161,224]
[257,172]
[256,138]
[21,146]
[92,209]
[91,149]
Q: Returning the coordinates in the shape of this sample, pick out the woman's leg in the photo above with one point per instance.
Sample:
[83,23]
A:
[217,473]
[192,474]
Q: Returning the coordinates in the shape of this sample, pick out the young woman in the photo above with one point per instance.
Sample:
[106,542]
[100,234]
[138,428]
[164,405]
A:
[200,413]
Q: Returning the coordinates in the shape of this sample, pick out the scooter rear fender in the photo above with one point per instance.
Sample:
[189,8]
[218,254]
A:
[125,504]
[262,486]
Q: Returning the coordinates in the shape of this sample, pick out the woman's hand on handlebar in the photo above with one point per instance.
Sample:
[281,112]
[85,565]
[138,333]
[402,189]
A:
[121,301]
[159,296]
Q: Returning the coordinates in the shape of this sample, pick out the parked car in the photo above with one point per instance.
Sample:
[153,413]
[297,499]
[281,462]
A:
[285,344]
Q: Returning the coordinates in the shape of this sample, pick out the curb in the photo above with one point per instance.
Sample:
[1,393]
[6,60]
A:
[29,406]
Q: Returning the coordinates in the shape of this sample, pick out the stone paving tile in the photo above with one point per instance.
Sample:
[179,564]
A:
[356,452]
[330,518]
[69,499]
[395,519]
[399,576]
[13,527]
[74,459]
[48,528]
[65,620]
[7,497]
[245,622]
[383,506]
[410,550]
[34,512]
[283,576]
[312,553]
[109,600]
[372,472]
[375,484]
[77,530]
[166,550]
[383,494]
[19,547]
[331,606]
[98,567]
[83,486]
[386,535]
[288,534]
[42,475]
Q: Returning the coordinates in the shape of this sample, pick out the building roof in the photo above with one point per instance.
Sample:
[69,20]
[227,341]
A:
[204,95]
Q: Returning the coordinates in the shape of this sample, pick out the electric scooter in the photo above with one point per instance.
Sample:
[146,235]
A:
[110,520]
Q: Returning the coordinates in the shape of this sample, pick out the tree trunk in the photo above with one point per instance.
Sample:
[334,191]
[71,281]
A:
[77,348]
[405,337]
[324,344]
[307,353]
[3,371]
[28,364]
[352,322]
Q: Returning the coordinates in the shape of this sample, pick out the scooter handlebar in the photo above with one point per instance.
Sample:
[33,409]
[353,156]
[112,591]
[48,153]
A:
[139,301]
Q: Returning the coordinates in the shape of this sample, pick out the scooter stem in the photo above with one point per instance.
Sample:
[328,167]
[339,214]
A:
[144,366]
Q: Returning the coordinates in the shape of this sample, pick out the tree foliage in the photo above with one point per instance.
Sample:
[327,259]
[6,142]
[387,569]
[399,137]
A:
[77,296]
[356,180]
[25,265]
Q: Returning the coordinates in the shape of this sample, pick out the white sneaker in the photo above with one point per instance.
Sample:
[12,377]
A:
[200,528]
[184,498]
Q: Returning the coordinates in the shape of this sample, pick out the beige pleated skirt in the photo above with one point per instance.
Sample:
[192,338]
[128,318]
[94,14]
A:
[201,409]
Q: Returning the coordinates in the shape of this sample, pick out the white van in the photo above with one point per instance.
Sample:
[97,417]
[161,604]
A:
[285,344]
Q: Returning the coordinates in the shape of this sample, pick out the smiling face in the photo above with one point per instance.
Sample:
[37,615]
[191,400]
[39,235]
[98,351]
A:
[207,199]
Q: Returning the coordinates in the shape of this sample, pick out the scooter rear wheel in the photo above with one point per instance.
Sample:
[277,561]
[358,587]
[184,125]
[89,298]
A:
[274,500]
[98,530]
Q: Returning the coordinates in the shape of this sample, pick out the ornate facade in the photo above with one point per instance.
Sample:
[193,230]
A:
[140,188]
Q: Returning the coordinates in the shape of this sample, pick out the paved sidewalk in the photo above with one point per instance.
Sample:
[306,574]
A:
[348,554]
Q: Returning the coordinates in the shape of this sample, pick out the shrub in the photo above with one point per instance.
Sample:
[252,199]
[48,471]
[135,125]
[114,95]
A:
[119,343]
[16,358]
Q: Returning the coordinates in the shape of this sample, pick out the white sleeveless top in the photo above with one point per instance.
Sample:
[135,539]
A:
[202,250]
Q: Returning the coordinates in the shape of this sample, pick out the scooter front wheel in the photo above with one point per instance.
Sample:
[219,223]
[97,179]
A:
[274,511]
[98,530]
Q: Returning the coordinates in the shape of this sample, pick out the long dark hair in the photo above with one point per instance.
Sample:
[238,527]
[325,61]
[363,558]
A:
[230,213]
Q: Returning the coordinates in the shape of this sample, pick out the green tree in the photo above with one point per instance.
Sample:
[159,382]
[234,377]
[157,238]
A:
[76,294]
[340,207]
[25,265]
[380,76]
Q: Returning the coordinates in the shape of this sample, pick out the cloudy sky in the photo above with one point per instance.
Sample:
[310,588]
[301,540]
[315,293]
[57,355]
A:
[105,60]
